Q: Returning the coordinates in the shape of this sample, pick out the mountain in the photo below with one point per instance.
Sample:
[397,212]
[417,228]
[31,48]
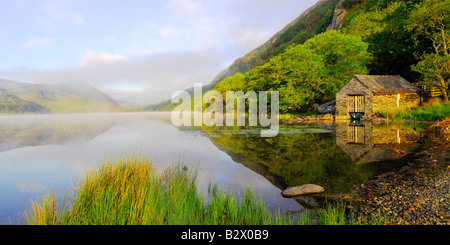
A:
[13,104]
[57,98]
[374,37]
[313,21]
[343,38]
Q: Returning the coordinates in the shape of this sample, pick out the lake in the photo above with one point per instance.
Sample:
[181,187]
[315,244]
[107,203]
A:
[39,153]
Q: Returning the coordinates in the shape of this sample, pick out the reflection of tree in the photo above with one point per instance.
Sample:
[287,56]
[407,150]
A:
[297,158]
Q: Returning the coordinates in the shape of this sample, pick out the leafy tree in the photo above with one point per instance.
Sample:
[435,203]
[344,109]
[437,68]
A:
[344,56]
[431,20]
[436,71]
[233,83]
[307,73]
[383,25]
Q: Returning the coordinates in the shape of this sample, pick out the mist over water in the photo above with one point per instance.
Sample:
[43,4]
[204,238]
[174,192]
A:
[43,152]
[39,153]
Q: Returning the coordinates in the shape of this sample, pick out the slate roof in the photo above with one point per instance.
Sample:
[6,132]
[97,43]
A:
[386,84]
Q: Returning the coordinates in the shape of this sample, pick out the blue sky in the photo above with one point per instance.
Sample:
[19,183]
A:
[136,50]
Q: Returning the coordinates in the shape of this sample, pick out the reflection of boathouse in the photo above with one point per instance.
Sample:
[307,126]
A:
[368,95]
[369,143]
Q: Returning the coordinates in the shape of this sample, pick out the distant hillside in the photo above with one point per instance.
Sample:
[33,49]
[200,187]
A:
[313,21]
[59,98]
[11,104]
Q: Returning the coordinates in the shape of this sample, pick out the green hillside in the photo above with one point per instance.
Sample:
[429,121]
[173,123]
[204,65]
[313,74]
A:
[306,74]
[59,98]
[379,37]
[376,37]
[10,104]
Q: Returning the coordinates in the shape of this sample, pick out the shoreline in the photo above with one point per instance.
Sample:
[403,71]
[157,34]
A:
[330,118]
[418,193]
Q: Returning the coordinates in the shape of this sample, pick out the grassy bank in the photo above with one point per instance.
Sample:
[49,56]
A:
[131,191]
[431,111]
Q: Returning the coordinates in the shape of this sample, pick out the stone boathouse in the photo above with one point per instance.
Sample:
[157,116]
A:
[366,95]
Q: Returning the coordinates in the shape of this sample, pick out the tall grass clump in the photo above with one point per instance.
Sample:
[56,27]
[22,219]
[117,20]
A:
[429,112]
[332,215]
[131,191]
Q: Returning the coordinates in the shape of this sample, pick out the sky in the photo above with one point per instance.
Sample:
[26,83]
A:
[138,51]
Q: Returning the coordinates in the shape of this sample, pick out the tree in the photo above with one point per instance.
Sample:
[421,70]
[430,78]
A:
[435,70]
[308,73]
[344,55]
[431,20]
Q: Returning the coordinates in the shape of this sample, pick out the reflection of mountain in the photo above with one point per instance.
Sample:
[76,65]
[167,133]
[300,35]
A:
[21,131]
[34,130]
[369,143]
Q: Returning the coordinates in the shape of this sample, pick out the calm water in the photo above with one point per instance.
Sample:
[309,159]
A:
[43,152]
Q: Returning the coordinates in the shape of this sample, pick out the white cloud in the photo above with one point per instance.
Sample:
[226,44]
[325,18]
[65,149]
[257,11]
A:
[38,43]
[155,48]
[145,79]
[92,57]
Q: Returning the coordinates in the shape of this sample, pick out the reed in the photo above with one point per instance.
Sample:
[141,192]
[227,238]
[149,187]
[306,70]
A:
[332,215]
[131,191]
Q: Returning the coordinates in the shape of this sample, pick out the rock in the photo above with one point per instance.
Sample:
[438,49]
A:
[338,17]
[307,202]
[314,107]
[327,108]
[303,190]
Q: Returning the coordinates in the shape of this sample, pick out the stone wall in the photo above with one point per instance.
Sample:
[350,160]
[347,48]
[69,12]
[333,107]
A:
[353,87]
[393,102]
[379,103]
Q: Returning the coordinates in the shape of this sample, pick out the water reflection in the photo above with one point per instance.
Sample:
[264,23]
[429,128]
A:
[335,156]
[50,152]
[70,129]
[308,156]
[366,142]
[42,152]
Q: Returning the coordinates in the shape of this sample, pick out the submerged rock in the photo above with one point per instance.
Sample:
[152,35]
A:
[303,190]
